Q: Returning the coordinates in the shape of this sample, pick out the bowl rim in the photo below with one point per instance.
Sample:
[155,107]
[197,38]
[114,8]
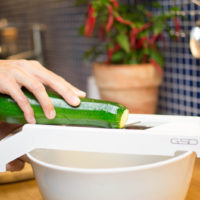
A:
[180,157]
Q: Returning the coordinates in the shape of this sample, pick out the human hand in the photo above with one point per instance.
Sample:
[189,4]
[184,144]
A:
[15,74]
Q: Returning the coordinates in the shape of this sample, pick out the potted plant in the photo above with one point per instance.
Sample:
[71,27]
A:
[131,70]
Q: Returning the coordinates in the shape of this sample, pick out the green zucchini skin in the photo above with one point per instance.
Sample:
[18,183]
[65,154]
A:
[90,112]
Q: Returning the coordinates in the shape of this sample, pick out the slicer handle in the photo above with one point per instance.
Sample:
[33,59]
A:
[14,146]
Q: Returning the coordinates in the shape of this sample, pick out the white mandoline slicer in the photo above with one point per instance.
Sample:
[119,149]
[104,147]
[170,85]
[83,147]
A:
[167,135]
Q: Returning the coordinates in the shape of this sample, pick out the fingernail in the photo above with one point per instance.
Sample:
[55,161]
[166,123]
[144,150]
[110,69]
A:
[52,114]
[75,100]
[82,93]
[31,120]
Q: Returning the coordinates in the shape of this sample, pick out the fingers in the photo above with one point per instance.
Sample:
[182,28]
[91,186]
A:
[32,75]
[25,158]
[15,92]
[53,76]
[6,128]
[38,89]
[15,165]
[66,92]
[62,87]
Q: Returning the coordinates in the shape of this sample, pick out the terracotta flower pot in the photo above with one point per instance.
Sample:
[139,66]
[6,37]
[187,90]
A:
[135,86]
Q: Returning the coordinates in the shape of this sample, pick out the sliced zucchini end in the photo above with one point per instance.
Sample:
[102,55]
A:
[124,118]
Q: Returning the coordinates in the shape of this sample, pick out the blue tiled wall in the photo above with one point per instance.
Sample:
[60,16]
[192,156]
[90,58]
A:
[180,92]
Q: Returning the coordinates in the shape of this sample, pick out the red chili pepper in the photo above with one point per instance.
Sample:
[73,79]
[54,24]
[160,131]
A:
[141,41]
[144,59]
[109,55]
[117,47]
[177,26]
[115,3]
[157,66]
[90,21]
[123,21]
[148,14]
[153,40]
[102,33]
[133,35]
[161,36]
[139,44]
[111,51]
[110,18]
[145,26]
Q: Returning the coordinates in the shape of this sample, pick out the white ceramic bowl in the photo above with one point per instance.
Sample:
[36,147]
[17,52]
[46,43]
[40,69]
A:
[63,175]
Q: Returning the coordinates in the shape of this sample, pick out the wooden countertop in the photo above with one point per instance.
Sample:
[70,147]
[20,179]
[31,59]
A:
[194,190]
[28,190]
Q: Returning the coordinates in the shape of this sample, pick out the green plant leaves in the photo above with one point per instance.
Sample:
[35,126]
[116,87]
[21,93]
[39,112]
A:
[157,5]
[145,51]
[133,49]
[117,57]
[81,30]
[92,53]
[175,9]
[80,2]
[157,56]
[123,41]
[134,58]
[88,53]
[158,27]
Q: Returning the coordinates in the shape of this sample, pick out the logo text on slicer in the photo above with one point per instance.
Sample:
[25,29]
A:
[184,141]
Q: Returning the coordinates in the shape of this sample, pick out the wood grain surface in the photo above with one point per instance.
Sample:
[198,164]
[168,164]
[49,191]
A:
[28,190]
[194,190]
[10,177]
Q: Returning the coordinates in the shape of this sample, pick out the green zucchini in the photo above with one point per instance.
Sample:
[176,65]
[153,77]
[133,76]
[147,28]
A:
[90,112]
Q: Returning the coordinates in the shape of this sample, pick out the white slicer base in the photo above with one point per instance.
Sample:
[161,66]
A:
[167,135]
